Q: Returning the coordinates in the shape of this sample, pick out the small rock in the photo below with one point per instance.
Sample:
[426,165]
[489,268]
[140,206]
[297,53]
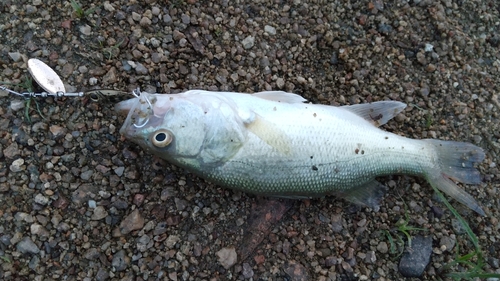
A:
[17,165]
[102,274]
[167,19]
[91,254]
[120,261]
[447,243]
[110,77]
[27,246]
[132,222]
[247,271]
[99,213]
[40,199]
[139,199]
[86,175]
[11,151]
[108,7]
[85,30]
[248,42]
[155,11]
[136,16]
[270,30]
[177,35]
[37,229]
[428,47]
[145,21]
[57,131]
[280,83]
[296,271]
[16,105]
[415,259]
[385,29]
[382,247]
[337,223]
[227,257]
[141,69]
[430,67]
[15,56]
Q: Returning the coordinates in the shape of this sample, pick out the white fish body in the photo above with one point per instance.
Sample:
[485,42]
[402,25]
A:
[274,144]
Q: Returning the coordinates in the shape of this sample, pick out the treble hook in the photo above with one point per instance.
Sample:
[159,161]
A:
[137,94]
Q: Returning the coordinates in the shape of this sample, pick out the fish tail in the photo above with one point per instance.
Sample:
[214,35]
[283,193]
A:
[456,163]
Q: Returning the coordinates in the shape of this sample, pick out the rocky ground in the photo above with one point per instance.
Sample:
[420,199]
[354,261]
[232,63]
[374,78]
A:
[79,202]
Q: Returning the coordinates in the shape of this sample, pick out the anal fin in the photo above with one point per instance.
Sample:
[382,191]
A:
[368,194]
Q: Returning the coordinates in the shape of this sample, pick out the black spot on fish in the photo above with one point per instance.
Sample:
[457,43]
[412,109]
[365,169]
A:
[386,138]
[311,157]
[314,168]
[362,152]
[377,117]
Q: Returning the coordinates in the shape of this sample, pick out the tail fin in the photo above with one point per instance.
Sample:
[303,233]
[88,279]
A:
[456,162]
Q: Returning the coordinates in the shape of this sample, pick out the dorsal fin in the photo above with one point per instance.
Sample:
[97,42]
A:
[280,96]
[377,113]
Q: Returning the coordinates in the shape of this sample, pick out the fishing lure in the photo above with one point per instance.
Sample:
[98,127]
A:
[48,79]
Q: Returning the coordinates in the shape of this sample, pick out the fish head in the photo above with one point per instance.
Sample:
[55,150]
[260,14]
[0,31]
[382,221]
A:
[191,131]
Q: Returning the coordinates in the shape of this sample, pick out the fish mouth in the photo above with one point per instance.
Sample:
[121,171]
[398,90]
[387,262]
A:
[139,112]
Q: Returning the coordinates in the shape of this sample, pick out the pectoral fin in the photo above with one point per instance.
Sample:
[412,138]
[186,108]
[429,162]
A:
[270,134]
[377,113]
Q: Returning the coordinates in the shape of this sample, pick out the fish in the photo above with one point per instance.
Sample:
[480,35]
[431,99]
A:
[275,144]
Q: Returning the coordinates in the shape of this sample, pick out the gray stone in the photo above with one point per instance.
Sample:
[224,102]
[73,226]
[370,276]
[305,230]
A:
[15,56]
[99,213]
[120,261]
[27,246]
[227,257]
[270,30]
[85,29]
[133,221]
[141,69]
[248,42]
[42,200]
[415,259]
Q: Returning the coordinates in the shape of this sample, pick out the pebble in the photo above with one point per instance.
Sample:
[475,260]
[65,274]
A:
[15,56]
[42,200]
[120,261]
[38,229]
[57,131]
[27,246]
[247,271]
[17,165]
[85,30]
[415,259]
[382,247]
[141,69]
[16,105]
[99,213]
[248,42]
[133,221]
[227,257]
[447,243]
[91,254]
[270,30]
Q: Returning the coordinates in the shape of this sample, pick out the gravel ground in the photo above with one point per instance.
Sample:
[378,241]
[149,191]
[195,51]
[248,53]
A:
[78,202]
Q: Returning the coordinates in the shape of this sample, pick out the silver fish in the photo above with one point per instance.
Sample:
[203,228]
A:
[274,144]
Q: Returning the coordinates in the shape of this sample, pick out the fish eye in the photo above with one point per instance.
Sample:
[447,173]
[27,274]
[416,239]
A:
[161,138]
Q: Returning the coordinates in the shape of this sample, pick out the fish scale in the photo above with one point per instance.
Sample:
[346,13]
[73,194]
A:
[274,144]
